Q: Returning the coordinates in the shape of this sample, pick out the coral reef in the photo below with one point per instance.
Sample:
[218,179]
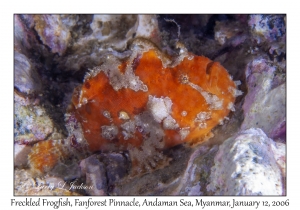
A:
[147,87]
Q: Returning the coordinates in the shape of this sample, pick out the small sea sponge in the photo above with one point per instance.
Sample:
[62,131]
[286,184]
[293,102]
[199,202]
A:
[152,101]
[45,155]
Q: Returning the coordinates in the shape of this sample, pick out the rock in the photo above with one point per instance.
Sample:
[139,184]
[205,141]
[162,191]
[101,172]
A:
[196,175]
[26,78]
[25,184]
[246,165]
[74,42]
[116,165]
[66,171]
[21,155]
[32,122]
[26,42]
[114,30]
[226,30]
[55,182]
[54,31]
[24,39]
[117,30]
[95,175]
[159,182]
[148,28]
[268,28]
[188,29]
[279,150]
[265,105]
[187,174]
[108,34]
[102,171]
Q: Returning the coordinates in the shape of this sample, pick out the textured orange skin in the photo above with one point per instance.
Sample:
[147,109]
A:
[44,156]
[166,82]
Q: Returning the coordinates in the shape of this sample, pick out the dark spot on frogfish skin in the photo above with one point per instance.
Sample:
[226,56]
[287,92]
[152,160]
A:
[136,62]
[87,85]
[88,109]
[136,111]
[208,67]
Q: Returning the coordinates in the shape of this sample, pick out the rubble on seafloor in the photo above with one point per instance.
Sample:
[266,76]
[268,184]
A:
[230,143]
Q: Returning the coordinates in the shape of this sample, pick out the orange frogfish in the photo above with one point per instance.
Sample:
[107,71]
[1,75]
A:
[145,104]
[152,99]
